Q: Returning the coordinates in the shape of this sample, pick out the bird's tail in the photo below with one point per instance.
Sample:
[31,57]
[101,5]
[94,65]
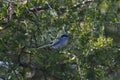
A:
[44,46]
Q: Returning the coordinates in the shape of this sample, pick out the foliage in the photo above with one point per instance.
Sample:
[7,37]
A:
[92,52]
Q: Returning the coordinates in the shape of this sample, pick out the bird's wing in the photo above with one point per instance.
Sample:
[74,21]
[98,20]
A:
[55,42]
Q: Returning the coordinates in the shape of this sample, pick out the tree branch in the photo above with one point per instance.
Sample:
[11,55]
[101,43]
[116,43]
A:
[2,77]
[62,9]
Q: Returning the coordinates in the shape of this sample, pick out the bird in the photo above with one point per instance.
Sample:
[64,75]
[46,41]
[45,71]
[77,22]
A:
[58,43]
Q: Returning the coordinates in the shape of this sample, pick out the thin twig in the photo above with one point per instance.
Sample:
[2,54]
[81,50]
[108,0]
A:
[62,9]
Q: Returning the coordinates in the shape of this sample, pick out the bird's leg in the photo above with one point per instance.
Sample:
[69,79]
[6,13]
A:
[58,50]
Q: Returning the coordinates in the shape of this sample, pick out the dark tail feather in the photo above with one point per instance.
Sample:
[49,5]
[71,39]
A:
[43,46]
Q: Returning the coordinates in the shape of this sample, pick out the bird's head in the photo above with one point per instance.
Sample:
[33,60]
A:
[64,36]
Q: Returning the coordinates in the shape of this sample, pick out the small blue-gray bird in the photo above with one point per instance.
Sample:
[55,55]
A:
[58,42]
